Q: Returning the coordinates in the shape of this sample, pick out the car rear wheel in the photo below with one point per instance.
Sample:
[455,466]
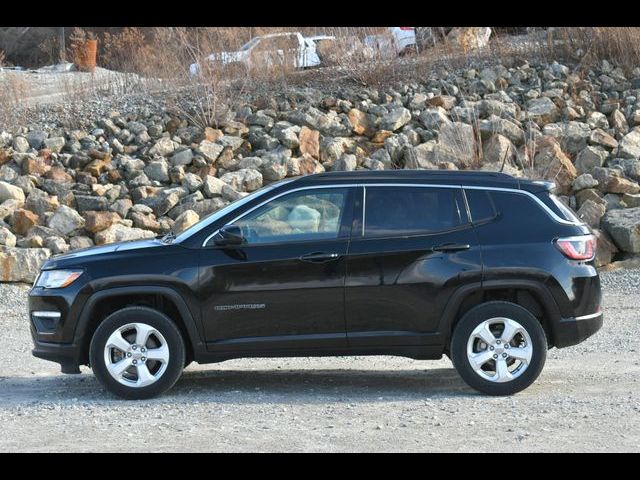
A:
[499,348]
[137,352]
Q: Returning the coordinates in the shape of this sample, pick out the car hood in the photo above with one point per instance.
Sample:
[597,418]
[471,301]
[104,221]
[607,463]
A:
[76,257]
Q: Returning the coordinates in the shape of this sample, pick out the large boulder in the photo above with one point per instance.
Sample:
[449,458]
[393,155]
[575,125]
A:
[550,163]
[121,233]
[66,220]
[624,227]
[21,264]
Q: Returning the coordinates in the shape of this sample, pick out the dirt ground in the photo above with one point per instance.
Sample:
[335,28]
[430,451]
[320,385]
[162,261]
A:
[587,399]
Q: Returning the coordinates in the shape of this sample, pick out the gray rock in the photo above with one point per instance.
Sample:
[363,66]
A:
[121,233]
[458,139]
[121,207]
[86,203]
[185,220]
[79,242]
[243,180]
[629,146]
[8,174]
[395,119]
[56,245]
[183,157]
[274,170]
[542,110]
[55,144]
[212,186]
[8,191]
[498,149]
[287,134]
[631,200]
[501,126]
[434,118]
[346,163]
[66,220]
[624,227]
[36,139]
[584,181]
[21,264]
[163,147]
[591,212]
[589,158]
[210,150]
[20,144]
[158,170]
[7,238]
[192,182]
[573,136]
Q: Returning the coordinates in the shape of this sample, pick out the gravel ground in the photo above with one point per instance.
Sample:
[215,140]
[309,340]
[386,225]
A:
[587,399]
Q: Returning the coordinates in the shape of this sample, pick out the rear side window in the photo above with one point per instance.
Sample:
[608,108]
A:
[481,205]
[562,210]
[397,211]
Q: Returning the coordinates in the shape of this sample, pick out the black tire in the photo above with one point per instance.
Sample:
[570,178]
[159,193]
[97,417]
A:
[164,326]
[475,317]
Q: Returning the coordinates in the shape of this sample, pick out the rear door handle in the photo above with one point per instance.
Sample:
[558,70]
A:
[451,247]
[319,257]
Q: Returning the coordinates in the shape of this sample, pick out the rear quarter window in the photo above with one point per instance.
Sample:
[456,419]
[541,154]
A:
[481,205]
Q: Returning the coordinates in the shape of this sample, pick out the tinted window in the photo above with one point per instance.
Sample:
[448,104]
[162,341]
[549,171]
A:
[298,216]
[408,210]
[480,205]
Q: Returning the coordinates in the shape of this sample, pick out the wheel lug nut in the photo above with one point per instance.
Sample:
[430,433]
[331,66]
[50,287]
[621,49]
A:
[498,342]
[504,355]
[491,348]
[135,347]
[495,356]
[143,349]
[128,354]
[507,345]
[135,362]
[143,359]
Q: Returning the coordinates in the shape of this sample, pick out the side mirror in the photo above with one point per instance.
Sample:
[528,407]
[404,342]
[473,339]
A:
[229,236]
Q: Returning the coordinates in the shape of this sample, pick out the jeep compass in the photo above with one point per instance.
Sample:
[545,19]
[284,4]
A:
[488,269]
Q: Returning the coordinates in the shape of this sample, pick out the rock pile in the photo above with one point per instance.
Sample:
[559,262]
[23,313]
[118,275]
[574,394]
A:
[133,176]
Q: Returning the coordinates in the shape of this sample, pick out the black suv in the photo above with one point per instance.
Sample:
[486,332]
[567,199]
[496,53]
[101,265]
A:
[484,267]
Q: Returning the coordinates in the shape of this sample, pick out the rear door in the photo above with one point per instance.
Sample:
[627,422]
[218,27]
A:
[412,247]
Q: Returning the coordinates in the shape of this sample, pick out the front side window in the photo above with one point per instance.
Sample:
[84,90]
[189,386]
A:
[399,211]
[314,214]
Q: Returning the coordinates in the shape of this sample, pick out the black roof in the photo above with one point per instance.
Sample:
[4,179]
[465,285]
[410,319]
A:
[468,177]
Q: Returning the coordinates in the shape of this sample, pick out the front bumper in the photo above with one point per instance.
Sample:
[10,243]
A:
[571,331]
[66,354]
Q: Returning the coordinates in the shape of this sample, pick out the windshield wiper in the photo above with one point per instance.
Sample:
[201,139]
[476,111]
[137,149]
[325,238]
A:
[169,237]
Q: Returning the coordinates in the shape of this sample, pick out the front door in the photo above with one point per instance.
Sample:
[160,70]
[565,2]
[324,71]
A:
[415,247]
[284,287]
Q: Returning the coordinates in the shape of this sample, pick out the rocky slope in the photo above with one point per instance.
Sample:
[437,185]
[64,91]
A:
[136,175]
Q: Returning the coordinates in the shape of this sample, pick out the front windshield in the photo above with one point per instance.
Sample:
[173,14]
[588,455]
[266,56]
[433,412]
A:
[250,44]
[212,217]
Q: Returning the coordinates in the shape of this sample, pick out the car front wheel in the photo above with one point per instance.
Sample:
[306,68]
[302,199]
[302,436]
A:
[137,352]
[499,348]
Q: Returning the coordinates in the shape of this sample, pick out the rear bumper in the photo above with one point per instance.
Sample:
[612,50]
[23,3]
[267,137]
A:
[571,331]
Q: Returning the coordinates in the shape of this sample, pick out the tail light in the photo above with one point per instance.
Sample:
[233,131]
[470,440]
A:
[582,247]
[406,28]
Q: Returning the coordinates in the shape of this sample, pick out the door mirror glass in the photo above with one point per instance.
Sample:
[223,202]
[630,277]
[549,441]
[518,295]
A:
[229,236]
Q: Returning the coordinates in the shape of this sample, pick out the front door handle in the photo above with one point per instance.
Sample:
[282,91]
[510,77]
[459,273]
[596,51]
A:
[319,257]
[451,247]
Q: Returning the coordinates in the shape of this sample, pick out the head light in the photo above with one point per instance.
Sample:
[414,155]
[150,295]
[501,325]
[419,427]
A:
[57,278]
